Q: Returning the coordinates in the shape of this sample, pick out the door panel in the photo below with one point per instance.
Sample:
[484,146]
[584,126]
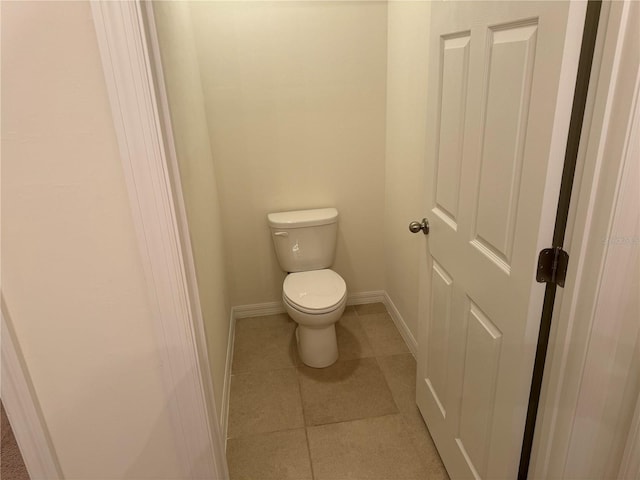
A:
[497,70]
[482,352]
[455,66]
[509,57]
[442,291]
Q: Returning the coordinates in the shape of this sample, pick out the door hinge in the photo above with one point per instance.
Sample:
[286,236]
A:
[552,266]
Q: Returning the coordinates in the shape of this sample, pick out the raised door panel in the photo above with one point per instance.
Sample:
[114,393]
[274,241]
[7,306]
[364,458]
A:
[438,336]
[509,70]
[454,59]
[481,361]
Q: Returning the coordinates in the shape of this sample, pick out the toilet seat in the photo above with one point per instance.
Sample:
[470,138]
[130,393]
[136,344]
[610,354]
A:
[314,292]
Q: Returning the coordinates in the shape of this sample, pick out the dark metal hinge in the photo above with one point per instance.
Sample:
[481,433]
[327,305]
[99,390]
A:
[552,266]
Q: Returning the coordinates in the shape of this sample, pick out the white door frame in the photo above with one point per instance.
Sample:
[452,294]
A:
[22,408]
[126,59]
[607,133]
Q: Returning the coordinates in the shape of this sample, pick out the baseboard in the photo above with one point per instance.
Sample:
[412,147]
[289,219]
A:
[408,337]
[23,411]
[257,309]
[366,297]
[226,389]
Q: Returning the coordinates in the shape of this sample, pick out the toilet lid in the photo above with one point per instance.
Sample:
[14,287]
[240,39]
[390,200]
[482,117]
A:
[315,290]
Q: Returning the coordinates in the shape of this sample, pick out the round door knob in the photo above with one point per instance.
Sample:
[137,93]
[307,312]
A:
[415,227]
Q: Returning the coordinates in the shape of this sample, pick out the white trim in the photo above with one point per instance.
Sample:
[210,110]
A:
[181,212]
[257,310]
[630,465]
[23,412]
[226,390]
[361,298]
[401,325]
[273,308]
[557,448]
[128,75]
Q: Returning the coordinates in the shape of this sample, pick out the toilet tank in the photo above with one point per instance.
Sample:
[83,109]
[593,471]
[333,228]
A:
[304,239]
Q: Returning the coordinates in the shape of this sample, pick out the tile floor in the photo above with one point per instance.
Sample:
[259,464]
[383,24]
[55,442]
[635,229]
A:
[354,420]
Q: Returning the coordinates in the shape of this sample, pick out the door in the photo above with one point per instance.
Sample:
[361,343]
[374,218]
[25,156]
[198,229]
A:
[500,90]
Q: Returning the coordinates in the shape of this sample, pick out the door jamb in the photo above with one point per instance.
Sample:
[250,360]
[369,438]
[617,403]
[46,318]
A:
[613,75]
[22,407]
[125,54]
[571,154]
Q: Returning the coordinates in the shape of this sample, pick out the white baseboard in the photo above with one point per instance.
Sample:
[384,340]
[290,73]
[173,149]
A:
[272,308]
[23,412]
[407,336]
[226,389]
[257,309]
[366,297]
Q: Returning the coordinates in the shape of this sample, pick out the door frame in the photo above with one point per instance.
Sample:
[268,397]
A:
[601,159]
[160,220]
[22,407]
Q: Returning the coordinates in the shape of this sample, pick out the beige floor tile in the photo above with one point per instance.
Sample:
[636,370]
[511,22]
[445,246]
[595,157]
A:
[344,391]
[383,334]
[370,449]
[269,456]
[400,373]
[425,447]
[264,343]
[352,341]
[350,311]
[369,308]
[264,402]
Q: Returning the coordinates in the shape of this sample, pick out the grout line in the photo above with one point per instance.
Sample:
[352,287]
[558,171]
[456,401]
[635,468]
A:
[263,371]
[386,382]
[398,413]
[249,435]
[304,421]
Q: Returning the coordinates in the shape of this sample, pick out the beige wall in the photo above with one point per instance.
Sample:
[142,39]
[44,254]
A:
[295,100]
[407,75]
[197,176]
[71,274]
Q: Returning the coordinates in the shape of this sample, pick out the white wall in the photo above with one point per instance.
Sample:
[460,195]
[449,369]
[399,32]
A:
[71,274]
[295,100]
[407,75]
[198,178]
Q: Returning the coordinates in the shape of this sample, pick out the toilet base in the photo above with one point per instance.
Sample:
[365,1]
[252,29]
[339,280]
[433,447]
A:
[317,347]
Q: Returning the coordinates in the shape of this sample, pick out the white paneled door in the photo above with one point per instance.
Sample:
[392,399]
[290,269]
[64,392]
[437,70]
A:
[501,85]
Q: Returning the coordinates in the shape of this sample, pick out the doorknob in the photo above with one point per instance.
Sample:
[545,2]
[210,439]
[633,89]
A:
[415,227]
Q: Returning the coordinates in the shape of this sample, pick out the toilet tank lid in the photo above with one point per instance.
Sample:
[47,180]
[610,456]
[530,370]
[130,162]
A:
[303,218]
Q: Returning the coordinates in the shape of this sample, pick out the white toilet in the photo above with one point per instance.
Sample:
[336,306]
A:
[313,295]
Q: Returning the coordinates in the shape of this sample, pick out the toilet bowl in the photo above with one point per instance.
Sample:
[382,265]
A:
[315,300]
[313,295]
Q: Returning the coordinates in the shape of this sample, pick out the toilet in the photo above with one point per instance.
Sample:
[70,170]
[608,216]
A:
[313,295]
